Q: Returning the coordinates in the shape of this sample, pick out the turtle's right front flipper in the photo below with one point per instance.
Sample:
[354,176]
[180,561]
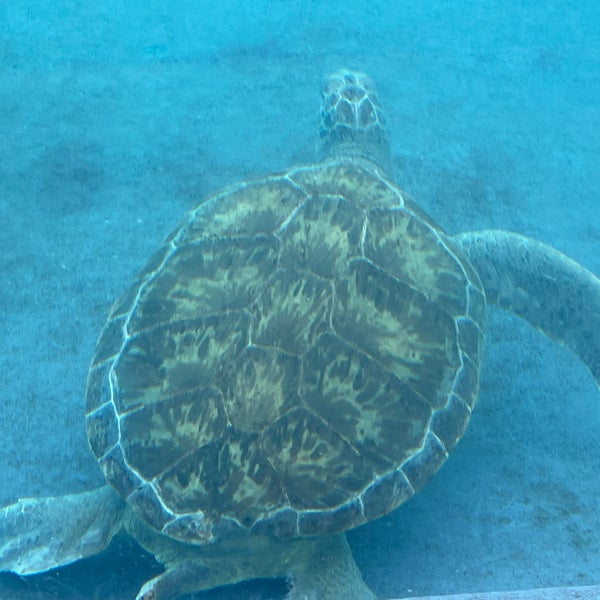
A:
[38,534]
[541,285]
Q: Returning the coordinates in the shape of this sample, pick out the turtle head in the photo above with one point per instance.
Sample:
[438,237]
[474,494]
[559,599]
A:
[352,123]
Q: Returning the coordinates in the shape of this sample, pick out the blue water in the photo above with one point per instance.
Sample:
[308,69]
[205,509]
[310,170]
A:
[117,118]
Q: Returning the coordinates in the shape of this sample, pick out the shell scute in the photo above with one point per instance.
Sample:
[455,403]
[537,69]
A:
[399,327]
[378,414]
[229,476]
[322,236]
[350,180]
[292,311]
[317,467]
[158,435]
[251,209]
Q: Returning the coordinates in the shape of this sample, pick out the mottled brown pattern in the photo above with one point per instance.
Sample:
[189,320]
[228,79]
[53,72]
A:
[377,414]
[250,209]
[164,361]
[323,235]
[348,180]
[230,475]
[399,327]
[317,467]
[410,250]
[206,278]
[157,435]
[292,311]
[260,386]
[289,361]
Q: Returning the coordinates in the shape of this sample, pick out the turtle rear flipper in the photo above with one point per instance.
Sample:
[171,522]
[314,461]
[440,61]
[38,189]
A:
[546,288]
[317,567]
[37,534]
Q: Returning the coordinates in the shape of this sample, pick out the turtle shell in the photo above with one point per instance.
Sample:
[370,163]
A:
[297,359]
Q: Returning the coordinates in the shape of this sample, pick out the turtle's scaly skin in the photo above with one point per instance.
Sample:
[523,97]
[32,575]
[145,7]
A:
[352,120]
[298,359]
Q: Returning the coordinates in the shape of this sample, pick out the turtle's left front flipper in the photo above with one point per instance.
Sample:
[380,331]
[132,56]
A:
[38,534]
[546,288]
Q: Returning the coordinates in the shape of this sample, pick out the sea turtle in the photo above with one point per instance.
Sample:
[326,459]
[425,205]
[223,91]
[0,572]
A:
[298,359]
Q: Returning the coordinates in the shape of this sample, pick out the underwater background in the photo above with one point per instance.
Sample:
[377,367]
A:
[116,117]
